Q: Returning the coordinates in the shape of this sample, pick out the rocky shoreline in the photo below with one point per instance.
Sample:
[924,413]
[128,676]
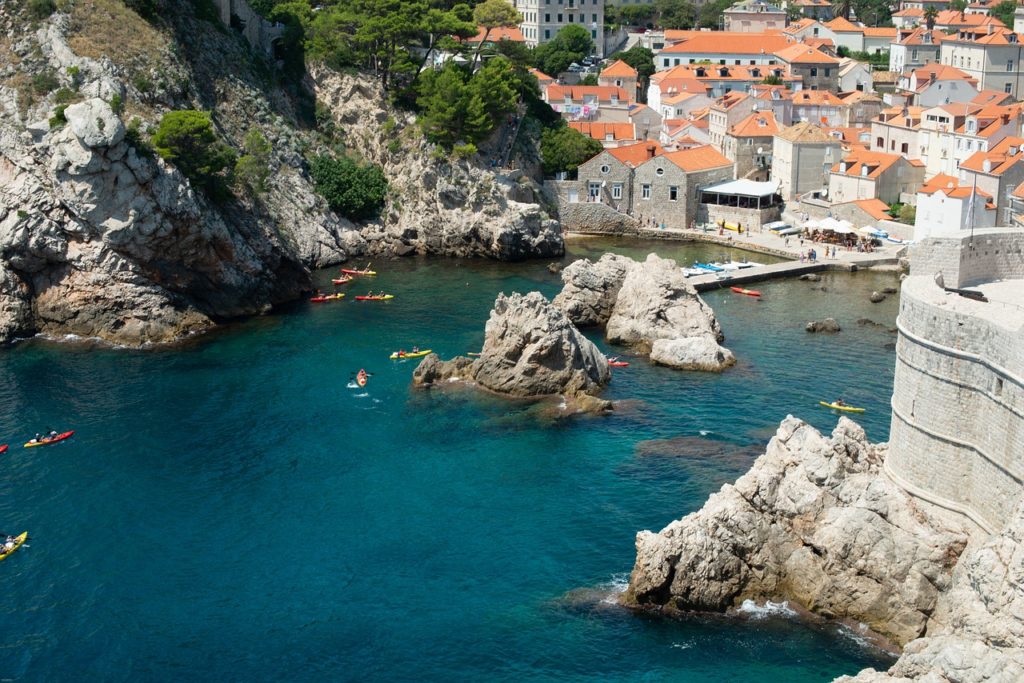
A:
[101,239]
[818,523]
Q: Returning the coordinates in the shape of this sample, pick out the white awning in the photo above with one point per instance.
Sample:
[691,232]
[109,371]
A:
[746,188]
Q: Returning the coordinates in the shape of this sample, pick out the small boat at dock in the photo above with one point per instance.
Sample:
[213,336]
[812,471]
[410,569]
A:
[748,292]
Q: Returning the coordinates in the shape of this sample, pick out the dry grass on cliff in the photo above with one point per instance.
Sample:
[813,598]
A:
[106,28]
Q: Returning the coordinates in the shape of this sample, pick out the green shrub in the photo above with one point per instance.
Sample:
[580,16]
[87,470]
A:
[464,151]
[356,191]
[186,139]
[64,96]
[564,149]
[45,82]
[142,84]
[133,135]
[395,146]
[74,73]
[253,168]
[117,104]
[58,119]
[41,9]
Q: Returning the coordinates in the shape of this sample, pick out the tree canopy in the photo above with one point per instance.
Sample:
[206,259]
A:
[571,44]
[563,149]
[356,191]
[186,139]
[1004,11]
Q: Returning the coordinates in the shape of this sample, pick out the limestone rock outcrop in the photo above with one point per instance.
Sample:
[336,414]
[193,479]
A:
[982,637]
[814,521]
[100,238]
[444,206]
[591,289]
[648,306]
[530,349]
[828,325]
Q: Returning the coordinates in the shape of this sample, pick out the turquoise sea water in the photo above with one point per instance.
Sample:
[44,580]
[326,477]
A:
[233,510]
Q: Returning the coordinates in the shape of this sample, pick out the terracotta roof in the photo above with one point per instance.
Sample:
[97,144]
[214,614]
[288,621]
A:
[916,37]
[1019,191]
[758,124]
[999,157]
[851,136]
[729,100]
[604,93]
[855,96]
[798,53]
[910,12]
[501,33]
[877,163]
[991,97]
[841,25]
[812,3]
[676,98]
[950,186]
[718,72]
[993,119]
[879,32]
[601,130]
[875,208]
[882,77]
[804,132]
[723,42]
[800,25]
[950,17]
[1001,38]
[541,76]
[815,97]
[619,69]
[698,159]
[634,155]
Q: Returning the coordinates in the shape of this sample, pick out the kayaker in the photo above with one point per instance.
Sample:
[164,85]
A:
[415,349]
[9,543]
[840,402]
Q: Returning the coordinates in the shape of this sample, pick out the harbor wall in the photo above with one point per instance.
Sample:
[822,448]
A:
[957,434]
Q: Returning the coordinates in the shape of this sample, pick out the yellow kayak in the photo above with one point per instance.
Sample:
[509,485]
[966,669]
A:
[18,540]
[409,354]
[848,409]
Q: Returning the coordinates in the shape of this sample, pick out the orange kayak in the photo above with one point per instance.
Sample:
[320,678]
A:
[748,292]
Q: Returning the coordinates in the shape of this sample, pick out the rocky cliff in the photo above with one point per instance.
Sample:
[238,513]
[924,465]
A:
[99,238]
[816,521]
[648,306]
[530,349]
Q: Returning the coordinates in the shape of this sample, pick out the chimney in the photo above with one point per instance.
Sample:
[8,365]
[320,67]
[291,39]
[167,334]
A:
[652,150]
[931,77]
[986,166]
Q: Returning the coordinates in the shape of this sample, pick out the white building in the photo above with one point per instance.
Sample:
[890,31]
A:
[995,60]
[947,208]
[543,19]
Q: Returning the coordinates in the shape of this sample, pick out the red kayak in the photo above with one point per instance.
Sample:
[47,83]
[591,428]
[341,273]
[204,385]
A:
[342,280]
[327,297]
[616,363]
[748,292]
[3,448]
[47,441]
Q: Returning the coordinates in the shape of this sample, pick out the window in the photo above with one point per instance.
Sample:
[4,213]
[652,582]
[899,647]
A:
[660,172]
[1008,87]
[594,189]
[904,148]
[880,143]
[547,17]
[673,193]
[605,168]
[569,18]
[814,71]
[913,55]
[617,191]
[1009,65]
[593,18]
[559,17]
[828,72]
[645,191]
[547,34]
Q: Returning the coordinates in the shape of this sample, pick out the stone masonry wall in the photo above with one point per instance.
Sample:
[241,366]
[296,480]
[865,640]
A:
[996,255]
[957,435]
[260,33]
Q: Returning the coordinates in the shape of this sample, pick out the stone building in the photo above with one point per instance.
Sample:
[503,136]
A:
[875,175]
[946,208]
[618,74]
[818,70]
[914,49]
[748,144]
[994,60]
[802,157]
[645,181]
[754,16]
[957,435]
[726,112]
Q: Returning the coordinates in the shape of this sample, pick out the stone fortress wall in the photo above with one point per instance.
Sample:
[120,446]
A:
[260,33]
[957,435]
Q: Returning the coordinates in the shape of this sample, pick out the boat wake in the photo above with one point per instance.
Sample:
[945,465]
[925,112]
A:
[704,432]
[352,385]
[362,395]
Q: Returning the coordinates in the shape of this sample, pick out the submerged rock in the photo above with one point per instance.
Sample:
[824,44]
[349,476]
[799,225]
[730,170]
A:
[814,521]
[811,277]
[530,349]
[877,297]
[828,325]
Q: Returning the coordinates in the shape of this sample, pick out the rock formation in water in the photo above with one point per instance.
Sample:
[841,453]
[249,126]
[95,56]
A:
[814,521]
[100,238]
[648,306]
[530,349]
